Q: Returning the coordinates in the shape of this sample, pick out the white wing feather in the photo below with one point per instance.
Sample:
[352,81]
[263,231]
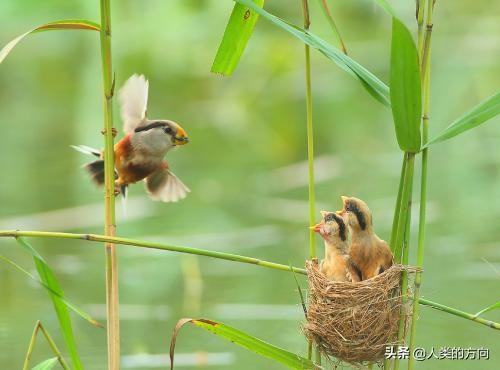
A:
[134,100]
[163,185]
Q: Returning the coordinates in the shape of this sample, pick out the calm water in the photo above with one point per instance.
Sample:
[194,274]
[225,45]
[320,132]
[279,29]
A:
[245,166]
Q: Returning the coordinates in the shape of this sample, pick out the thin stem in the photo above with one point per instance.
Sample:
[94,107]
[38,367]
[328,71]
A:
[112,299]
[50,341]
[405,206]
[459,313]
[425,71]
[208,253]
[420,25]
[397,209]
[310,134]
[333,25]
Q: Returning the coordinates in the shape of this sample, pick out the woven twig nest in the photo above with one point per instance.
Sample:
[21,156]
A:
[354,322]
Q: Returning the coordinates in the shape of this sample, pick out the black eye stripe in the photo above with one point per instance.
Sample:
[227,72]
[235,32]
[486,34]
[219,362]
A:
[351,207]
[150,126]
[342,229]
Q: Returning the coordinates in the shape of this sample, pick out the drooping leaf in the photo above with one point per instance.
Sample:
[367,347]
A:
[238,31]
[406,99]
[46,365]
[373,85]
[244,340]
[494,306]
[48,277]
[71,306]
[68,24]
[478,115]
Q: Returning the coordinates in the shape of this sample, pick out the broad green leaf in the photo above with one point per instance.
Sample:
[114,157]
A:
[48,277]
[68,24]
[46,365]
[244,340]
[238,31]
[72,307]
[494,306]
[375,87]
[481,113]
[406,99]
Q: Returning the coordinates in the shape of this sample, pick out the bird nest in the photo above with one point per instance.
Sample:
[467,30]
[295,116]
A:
[355,322]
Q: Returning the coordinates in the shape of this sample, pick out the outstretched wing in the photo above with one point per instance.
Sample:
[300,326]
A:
[134,100]
[163,185]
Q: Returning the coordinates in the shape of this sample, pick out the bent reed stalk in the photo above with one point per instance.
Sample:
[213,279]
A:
[112,299]
[219,255]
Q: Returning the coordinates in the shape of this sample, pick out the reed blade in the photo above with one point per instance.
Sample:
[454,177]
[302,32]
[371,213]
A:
[244,340]
[67,24]
[238,31]
[48,277]
[46,365]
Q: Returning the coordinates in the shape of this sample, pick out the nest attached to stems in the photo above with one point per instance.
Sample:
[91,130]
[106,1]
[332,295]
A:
[354,322]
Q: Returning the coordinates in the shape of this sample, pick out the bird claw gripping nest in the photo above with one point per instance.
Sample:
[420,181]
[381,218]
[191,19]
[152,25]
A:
[354,322]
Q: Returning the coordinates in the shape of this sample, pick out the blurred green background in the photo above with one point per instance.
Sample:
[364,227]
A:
[246,167]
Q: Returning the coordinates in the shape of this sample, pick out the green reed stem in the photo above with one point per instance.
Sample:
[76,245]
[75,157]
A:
[112,299]
[397,209]
[310,134]
[405,205]
[425,72]
[213,254]
[326,11]
[50,341]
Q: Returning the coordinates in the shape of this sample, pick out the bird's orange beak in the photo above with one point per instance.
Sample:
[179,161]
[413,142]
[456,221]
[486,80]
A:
[316,228]
[181,137]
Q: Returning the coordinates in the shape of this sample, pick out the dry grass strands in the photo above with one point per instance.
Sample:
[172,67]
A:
[354,322]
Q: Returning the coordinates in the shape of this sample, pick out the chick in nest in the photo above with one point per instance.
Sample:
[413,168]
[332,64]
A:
[368,252]
[336,233]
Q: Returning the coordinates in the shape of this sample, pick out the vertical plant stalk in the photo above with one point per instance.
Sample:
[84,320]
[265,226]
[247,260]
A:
[112,302]
[425,71]
[310,134]
[402,234]
[397,209]
[333,25]
[310,153]
[50,341]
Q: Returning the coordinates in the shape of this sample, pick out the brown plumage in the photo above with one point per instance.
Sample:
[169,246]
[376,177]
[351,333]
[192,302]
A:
[370,254]
[336,233]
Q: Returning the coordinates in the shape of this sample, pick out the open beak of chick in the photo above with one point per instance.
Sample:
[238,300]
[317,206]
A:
[316,228]
[181,137]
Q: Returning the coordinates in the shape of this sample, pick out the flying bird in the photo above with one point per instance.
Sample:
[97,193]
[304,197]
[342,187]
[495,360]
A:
[139,155]
[336,233]
[368,252]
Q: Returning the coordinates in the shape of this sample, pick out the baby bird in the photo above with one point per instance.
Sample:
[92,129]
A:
[368,252]
[139,154]
[336,233]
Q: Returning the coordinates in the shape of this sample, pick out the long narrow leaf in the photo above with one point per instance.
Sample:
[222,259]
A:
[406,100]
[46,365]
[494,306]
[478,115]
[71,306]
[238,31]
[48,277]
[387,7]
[373,85]
[244,340]
[68,24]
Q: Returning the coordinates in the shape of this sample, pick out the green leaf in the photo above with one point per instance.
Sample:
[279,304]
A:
[68,24]
[46,365]
[375,87]
[48,277]
[238,31]
[244,340]
[72,307]
[481,113]
[494,306]
[406,98]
